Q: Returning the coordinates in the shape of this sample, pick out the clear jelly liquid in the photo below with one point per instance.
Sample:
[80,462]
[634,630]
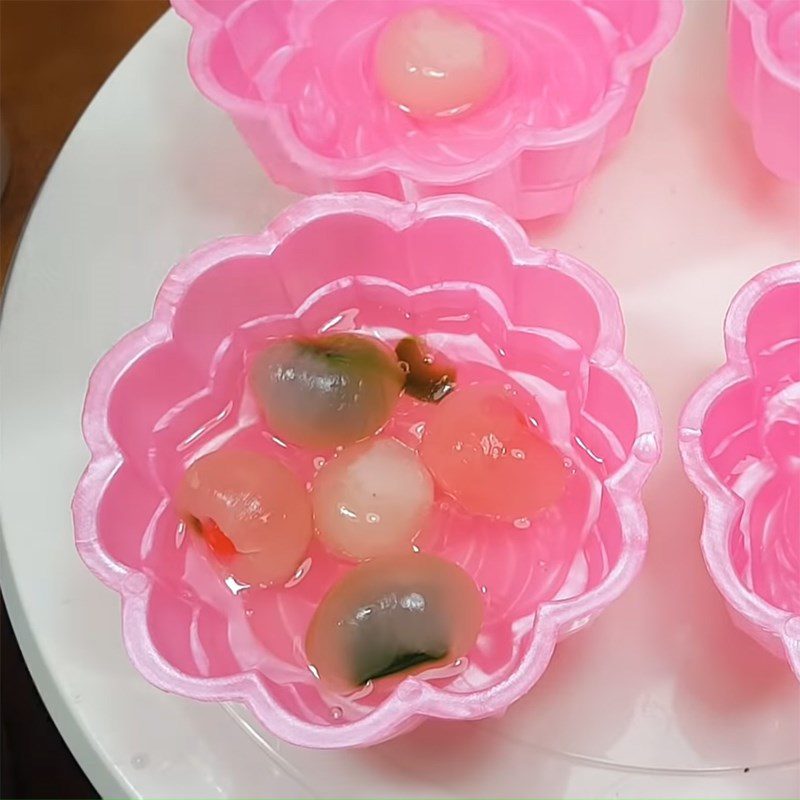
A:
[558,553]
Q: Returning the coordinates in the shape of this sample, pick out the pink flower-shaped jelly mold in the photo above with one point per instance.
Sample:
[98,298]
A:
[764,78]
[453,268]
[296,78]
[740,441]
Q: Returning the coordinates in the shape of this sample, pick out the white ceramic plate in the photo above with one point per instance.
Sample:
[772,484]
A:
[661,697]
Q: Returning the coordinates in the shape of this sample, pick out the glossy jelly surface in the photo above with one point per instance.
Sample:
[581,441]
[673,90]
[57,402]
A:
[461,276]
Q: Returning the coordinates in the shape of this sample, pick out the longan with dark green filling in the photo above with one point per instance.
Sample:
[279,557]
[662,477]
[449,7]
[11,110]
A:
[396,615]
[327,390]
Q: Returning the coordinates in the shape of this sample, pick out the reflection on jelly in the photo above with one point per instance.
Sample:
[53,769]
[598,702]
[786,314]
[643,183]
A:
[397,615]
[435,62]
[483,451]
[328,390]
[372,499]
[252,513]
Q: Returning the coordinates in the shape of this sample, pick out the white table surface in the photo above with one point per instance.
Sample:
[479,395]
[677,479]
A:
[662,697]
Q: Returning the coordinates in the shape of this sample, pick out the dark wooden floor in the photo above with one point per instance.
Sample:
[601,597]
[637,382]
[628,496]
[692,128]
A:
[35,761]
[54,56]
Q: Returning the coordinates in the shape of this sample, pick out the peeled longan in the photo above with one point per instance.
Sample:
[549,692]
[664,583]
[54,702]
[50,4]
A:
[483,451]
[252,512]
[436,62]
[372,499]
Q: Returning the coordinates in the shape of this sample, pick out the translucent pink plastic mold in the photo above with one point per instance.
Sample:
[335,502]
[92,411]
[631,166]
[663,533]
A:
[764,78]
[455,270]
[296,78]
[740,441]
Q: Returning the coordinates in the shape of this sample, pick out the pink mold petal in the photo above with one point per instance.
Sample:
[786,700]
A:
[764,78]
[740,446]
[456,271]
[297,80]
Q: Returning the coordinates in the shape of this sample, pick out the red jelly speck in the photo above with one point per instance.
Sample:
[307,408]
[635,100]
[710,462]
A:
[220,544]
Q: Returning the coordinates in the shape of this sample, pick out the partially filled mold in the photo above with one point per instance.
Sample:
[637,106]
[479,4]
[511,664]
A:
[514,102]
[518,555]
[531,330]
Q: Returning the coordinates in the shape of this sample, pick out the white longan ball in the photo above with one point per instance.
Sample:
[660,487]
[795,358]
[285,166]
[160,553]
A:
[372,499]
